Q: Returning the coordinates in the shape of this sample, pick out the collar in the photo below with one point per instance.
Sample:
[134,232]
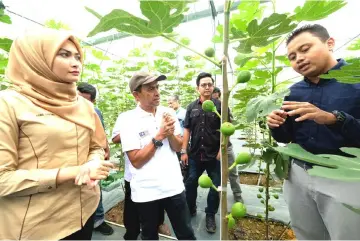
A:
[340,63]
[199,100]
[143,113]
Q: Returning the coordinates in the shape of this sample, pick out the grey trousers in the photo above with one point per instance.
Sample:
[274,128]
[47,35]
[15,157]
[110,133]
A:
[233,174]
[315,215]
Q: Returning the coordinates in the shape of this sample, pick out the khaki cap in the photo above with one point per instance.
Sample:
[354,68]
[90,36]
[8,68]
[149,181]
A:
[143,78]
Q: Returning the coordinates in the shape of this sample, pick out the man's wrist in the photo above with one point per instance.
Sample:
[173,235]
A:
[183,151]
[336,117]
[159,137]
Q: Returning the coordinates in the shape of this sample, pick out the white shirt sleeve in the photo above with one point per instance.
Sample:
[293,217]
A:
[116,129]
[129,137]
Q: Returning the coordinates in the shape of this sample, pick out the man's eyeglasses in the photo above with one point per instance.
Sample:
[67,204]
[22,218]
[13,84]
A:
[207,84]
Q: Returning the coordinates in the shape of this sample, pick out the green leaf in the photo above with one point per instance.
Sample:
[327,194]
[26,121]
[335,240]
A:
[242,59]
[4,18]
[249,10]
[165,54]
[316,10]
[264,105]
[355,45]
[269,155]
[5,44]
[357,210]
[339,174]
[348,74]
[56,24]
[270,29]
[160,19]
[100,55]
[281,166]
[93,12]
[296,151]
[186,41]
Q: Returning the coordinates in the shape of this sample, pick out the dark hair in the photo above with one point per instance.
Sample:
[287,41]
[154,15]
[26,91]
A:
[86,88]
[217,90]
[315,29]
[203,75]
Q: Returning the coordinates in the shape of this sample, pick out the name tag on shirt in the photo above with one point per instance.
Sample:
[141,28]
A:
[144,134]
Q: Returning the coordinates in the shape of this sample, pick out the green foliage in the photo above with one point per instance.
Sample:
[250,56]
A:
[328,166]
[270,29]
[348,74]
[355,45]
[316,10]
[161,18]
[264,105]
[5,44]
[4,18]
[51,23]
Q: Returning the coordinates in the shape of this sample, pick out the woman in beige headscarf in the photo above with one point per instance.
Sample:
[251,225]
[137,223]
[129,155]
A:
[51,142]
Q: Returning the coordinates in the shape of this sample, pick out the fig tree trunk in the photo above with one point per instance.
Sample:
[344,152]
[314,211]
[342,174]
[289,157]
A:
[224,118]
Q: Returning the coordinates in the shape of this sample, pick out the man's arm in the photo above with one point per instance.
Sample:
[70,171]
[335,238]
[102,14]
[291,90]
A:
[116,139]
[175,142]
[349,129]
[186,138]
[283,133]
[139,158]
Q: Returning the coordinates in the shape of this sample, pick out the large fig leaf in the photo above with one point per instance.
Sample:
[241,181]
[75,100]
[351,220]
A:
[316,10]
[348,74]
[269,30]
[264,105]
[161,17]
[333,167]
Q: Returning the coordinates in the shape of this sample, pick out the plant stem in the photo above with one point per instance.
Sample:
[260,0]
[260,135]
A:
[217,113]
[188,48]
[224,118]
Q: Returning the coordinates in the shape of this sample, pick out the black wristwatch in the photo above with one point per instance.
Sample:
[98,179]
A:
[340,117]
[157,143]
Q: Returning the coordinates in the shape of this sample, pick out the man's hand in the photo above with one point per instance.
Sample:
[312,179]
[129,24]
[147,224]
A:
[167,127]
[185,159]
[218,155]
[276,118]
[308,111]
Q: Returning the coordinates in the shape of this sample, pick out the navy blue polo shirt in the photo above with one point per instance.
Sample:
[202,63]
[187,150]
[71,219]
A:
[328,95]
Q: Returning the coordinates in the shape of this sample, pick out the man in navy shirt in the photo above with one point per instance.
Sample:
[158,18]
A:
[89,92]
[321,115]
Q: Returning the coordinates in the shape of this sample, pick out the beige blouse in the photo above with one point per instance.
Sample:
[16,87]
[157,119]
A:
[34,144]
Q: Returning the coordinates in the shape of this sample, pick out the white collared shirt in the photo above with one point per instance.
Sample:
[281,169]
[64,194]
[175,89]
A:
[161,176]
[115,132]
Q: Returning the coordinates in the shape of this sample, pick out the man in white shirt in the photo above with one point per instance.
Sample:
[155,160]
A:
[130,218]
[150,136]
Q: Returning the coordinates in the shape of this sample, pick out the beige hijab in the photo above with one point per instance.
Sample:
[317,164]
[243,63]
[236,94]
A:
[31,58]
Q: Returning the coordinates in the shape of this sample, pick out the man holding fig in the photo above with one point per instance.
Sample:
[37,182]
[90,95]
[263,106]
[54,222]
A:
[150,137]
[321,115]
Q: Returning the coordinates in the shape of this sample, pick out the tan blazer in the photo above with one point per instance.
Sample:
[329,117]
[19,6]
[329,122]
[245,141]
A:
[34,144]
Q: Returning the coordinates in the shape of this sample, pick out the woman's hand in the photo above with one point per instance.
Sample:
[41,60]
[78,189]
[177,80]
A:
[91,172]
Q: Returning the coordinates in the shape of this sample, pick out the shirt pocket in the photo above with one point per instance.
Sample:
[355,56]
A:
[195,117]
[212,120]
